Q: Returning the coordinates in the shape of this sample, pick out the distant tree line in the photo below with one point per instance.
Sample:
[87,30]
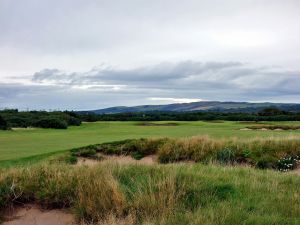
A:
[61,120]
[267,114]
[58,120]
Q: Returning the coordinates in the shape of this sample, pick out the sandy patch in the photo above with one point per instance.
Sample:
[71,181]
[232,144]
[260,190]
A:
[149,160]
[264,129]
[87,162]
[245,129]
[33,215]
[120,159]
[296,171]
[23,128]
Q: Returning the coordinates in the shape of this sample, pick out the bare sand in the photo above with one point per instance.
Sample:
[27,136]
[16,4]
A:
[34,215]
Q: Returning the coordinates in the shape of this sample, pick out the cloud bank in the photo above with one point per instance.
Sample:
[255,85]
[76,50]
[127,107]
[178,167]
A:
[166,82]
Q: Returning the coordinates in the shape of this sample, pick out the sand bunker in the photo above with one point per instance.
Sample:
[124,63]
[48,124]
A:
[33,215]
[24,128]
[156,124]
[272,127]
[262,129]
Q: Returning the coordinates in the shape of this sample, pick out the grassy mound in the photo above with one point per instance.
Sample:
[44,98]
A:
[277,153]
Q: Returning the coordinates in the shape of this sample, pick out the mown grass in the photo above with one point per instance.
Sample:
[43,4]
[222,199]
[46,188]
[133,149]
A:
[18,144]
[161,194]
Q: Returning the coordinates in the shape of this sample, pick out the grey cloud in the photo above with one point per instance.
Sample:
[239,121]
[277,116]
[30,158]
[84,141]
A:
[182,76]
[153,74]
[100,87]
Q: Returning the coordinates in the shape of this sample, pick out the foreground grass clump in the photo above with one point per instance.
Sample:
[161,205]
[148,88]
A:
[91,192]
[259,152]
[168,194]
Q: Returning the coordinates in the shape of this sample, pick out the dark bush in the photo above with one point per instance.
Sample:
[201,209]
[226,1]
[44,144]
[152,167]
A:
[271,112]
[266,162]
[71,159]
[15,121]
[3,124]
[72,121]
[85,152]
[51,123]
[137,155]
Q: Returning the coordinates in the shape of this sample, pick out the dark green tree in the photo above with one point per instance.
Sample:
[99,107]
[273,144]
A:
[3,124]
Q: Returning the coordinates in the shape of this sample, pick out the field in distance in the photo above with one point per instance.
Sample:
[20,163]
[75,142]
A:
[22,143]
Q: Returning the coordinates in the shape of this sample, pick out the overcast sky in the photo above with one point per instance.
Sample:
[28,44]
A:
[90,54]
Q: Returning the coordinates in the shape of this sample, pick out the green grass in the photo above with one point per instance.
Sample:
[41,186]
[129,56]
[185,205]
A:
[19,144]
[159,194]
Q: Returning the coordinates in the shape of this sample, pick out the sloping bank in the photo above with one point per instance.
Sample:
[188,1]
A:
[276,153]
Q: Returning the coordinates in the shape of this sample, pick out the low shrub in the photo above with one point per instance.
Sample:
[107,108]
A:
[66,158]
[71,159]
[137,155]
[288,163]
[85,152]
[226,156]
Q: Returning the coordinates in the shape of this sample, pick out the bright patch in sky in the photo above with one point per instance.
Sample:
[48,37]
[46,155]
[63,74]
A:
[243,39]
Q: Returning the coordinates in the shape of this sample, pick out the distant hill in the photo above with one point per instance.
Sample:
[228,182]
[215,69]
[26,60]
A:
[214,106]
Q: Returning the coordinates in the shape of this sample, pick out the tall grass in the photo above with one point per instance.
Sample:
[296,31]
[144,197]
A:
[98,194]
[201,149]
[194,148]
[161,194]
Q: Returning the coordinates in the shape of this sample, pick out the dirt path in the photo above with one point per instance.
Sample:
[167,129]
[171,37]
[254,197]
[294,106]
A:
[33,215]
